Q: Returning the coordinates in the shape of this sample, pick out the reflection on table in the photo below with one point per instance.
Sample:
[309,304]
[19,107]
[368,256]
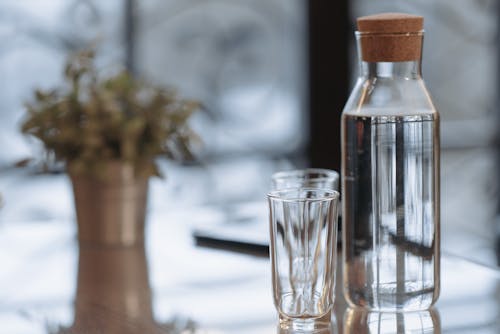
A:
[50,285]
[360,321]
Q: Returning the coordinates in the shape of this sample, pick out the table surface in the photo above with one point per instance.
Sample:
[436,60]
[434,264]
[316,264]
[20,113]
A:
[48,284]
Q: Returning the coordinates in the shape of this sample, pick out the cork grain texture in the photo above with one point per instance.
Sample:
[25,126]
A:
[391,37]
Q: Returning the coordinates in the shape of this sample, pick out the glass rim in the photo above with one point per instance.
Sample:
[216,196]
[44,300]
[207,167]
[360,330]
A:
[329,174]
[329,194]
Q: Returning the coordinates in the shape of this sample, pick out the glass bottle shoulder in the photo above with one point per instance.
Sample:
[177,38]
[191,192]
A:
[390,99]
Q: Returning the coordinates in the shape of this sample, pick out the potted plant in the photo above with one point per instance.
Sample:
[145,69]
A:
[109,133]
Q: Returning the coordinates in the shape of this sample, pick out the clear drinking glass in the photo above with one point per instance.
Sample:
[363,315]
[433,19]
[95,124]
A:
[309,178]
[360,320]
[303,228]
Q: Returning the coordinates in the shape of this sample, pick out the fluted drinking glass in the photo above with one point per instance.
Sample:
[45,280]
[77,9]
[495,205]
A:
[303,229]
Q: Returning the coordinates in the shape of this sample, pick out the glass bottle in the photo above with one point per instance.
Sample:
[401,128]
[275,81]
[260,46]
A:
[390,172]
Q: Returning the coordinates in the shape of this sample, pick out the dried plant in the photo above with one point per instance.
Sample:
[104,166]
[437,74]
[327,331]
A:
[92,121]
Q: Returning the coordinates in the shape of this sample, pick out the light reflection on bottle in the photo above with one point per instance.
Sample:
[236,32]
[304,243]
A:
[362,321]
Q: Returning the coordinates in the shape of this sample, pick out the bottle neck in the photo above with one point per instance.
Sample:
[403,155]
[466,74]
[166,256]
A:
[391,70]
[391,56]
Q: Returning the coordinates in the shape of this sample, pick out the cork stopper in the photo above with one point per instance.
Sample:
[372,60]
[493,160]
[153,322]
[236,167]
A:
[391,37]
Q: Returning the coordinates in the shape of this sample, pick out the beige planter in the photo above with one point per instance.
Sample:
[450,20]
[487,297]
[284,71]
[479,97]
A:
[113,294]
[111,210]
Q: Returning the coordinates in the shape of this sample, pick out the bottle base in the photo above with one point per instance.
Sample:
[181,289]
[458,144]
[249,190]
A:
[390,302]
[306,324]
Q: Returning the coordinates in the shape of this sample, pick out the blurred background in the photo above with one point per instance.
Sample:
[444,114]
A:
[273,76]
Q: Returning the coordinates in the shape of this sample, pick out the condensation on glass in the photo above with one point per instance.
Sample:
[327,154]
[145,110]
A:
[390,172]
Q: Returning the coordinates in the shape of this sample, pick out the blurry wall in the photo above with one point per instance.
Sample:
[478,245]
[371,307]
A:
[243,59]
[36,39]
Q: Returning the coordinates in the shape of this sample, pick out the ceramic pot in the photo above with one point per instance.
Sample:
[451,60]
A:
[111,209]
